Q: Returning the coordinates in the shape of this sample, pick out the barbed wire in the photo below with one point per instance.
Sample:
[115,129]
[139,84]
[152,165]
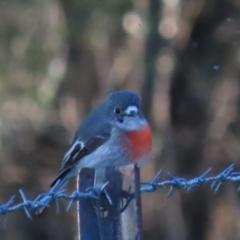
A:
[227,175]
[44,200]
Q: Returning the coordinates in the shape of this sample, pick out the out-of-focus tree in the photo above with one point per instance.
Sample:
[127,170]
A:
[58,59]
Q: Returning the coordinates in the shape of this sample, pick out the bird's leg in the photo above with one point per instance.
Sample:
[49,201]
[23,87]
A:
[101,204]
[126,198]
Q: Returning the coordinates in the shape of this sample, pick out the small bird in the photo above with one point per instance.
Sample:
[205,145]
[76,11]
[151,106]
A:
[114,134]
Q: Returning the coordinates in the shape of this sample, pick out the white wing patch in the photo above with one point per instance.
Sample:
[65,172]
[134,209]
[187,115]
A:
[131,109]
[68,153]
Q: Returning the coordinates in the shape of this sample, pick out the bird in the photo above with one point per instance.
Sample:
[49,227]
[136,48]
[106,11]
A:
[114,134]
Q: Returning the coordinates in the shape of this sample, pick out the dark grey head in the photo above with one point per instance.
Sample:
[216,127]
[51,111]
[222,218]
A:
[125,110]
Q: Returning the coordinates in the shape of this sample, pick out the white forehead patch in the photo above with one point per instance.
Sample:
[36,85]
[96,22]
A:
[131,109]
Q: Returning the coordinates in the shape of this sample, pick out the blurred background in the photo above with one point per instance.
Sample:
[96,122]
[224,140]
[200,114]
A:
[60,58]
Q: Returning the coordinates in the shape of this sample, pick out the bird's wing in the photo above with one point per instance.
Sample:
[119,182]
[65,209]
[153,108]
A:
[81,147]
[85,142]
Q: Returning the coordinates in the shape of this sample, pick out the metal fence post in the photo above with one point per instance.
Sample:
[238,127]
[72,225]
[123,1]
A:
[102,219]
[131,218]
[87,218]
[109,221]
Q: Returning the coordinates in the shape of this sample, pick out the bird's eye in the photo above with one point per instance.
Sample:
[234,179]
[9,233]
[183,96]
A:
[117,110]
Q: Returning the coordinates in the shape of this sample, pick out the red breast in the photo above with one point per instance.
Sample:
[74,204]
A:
[139,142]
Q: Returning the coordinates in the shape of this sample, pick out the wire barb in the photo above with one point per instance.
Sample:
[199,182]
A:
[153,184]
[27,204]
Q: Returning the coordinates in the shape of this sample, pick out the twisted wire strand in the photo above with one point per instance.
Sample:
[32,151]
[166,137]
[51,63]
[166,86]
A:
[174,183]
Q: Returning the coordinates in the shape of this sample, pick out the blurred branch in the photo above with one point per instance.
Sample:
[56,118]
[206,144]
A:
[152,46]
